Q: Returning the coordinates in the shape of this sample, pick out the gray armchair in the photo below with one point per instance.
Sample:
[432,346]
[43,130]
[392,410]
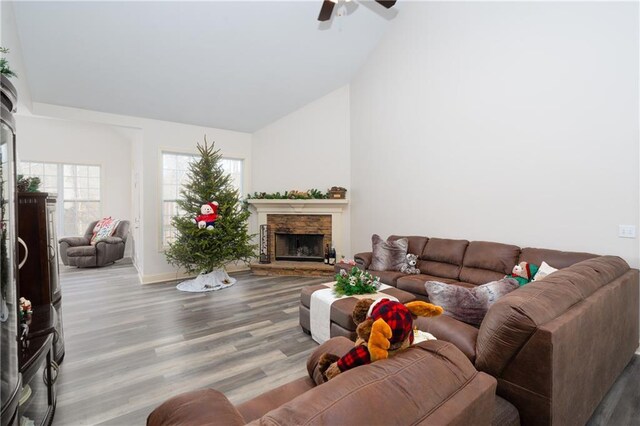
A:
[78,251]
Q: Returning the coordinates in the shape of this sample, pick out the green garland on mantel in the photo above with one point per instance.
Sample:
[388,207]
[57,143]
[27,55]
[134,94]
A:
[311,194]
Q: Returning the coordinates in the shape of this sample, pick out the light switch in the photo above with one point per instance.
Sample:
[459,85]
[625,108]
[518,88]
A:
[626,231]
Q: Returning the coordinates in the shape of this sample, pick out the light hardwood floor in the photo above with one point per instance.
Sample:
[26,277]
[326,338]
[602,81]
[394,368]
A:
[129,347]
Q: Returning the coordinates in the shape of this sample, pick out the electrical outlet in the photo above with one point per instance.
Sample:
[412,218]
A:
[626,231]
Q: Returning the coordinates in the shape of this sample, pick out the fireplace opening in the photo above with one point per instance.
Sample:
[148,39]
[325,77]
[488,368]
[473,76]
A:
[302,247]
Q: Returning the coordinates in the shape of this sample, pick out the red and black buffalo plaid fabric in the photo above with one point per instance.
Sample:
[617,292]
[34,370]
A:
[397,316]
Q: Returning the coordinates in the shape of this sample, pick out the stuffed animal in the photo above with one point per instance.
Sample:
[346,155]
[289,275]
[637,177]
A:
[410,266]
[524,272]
[208,217]
[25,306]
[385,327]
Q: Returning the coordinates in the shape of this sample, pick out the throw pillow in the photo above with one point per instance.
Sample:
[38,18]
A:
[543,271]
[468,305]
[103,229]
[388,255]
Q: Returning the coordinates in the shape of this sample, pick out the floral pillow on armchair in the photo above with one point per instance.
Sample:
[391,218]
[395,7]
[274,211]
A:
[103,229]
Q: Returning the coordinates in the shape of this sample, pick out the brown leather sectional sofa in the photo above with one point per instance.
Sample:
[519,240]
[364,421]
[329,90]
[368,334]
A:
[555,346]
[545,353]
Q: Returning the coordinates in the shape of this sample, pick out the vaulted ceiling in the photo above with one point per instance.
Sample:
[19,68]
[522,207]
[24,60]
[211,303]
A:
[234,65]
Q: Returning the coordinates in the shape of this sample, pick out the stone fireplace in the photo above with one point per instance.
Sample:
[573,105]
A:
[299,237]
[299,231]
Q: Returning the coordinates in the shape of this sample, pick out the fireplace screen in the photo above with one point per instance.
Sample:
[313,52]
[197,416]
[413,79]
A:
[303,247]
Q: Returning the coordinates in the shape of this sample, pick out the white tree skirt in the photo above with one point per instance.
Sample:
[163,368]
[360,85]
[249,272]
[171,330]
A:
[215,280]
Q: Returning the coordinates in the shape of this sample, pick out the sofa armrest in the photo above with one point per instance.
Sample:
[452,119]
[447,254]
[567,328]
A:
[201,407]
[363,259]
[75,241]
[110,240]
[443,327]
[337,346]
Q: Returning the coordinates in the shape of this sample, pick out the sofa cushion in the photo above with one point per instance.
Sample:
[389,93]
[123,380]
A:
[416,244]
[388,255]
[80,251]
[468,305]
[451,330]
[388,277]
[486,261]
[442,257]
[415,283]
[556,258]
[432,381]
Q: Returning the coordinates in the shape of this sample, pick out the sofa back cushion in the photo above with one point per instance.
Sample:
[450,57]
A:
[556,258]
[486,261]
[416,244]
[419,380]
[513,319]
[442,257]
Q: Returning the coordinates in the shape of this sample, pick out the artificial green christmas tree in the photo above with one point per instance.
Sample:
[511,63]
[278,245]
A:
[206,249]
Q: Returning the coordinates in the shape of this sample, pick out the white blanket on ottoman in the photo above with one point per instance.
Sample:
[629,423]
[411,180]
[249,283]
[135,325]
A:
[320,309]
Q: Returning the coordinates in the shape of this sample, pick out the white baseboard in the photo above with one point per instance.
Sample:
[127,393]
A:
[174,276]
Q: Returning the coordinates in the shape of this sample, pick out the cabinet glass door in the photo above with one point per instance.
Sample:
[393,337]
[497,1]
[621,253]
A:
[9,373]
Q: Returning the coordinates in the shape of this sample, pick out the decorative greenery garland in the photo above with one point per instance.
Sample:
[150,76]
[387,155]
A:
[291,195]
[355,282]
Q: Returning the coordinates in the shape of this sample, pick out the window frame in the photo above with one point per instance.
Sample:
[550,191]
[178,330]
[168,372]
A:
[60,200]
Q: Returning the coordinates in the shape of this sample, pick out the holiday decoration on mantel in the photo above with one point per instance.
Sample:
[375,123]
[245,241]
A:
[220,232]
[310,194]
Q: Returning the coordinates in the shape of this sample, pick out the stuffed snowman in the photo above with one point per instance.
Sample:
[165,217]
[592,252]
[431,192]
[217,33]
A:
[209,215]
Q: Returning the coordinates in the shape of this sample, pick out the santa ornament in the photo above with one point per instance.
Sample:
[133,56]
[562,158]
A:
[209,215]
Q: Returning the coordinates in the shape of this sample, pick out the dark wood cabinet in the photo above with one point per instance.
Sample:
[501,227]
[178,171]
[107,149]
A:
[39,276]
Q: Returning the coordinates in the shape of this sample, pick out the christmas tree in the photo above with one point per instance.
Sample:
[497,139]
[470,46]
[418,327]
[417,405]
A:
[207,249]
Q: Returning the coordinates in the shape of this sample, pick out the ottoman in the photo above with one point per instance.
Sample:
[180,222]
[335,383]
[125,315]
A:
[341,321]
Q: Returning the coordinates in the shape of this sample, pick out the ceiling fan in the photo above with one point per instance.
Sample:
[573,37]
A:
[327,8]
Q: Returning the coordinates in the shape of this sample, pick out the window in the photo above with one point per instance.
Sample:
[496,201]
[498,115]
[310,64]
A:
[174,177]
[47,172]
[77,187]
[81,197]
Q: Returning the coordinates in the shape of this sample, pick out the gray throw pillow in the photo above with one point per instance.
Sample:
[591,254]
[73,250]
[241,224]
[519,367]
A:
[468,305]
[388,255]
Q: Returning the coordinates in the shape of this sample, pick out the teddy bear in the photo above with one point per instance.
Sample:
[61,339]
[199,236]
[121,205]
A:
[524,272]
[209,215]
[410,266]
[385,327]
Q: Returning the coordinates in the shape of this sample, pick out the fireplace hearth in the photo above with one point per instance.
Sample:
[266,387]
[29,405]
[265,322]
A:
[299,247]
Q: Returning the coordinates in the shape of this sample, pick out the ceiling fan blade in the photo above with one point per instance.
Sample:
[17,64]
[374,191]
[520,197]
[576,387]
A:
[326,10]
[388,4]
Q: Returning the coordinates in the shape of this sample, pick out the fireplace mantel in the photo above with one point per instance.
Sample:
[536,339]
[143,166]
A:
[333,207]
[293,206]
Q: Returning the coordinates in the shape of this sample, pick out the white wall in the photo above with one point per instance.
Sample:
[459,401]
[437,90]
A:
[144,157]
[9,39]
[61,141]
[501,121]
[307,149]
